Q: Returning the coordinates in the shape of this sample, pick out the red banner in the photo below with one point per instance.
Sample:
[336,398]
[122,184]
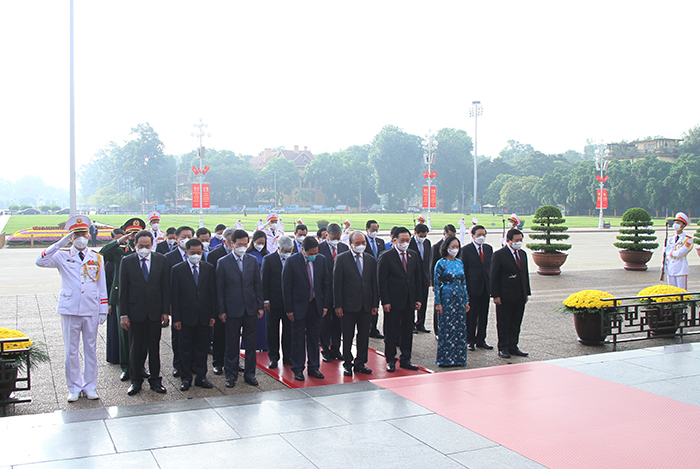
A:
[603,199]
[601,178]
[433,196]
[425,196]
[205,196]
[195,195]
[431,175]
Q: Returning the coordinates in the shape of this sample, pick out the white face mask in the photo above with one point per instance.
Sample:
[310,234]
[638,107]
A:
[372,234]
[420,240]
[402,246]
[676,227]
[194,259]
[205,245]
[219,236]
[183,243]
[80,243]
[300,239]
[359,249]
[143,252]
[480,240]
[517,245]
[240,252]
[258,247]
[171,241]
[333,242]
[273,226]
[511,225]
[155,226]
[453,252]
[284,255]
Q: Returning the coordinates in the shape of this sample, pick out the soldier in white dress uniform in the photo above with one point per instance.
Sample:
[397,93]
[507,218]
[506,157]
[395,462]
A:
[345,236]
[273,233]
[154,222]
[82,303]
[677,251]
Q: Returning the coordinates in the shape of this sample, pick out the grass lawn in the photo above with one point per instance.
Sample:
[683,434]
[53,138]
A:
[386,220]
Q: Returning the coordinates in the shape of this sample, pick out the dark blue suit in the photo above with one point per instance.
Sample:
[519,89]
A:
[296,290]
[331,325]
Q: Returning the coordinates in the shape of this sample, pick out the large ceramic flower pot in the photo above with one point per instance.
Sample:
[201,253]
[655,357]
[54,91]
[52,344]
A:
[8,378]
[588,328]
[549,263]
[663,324]
[635,260]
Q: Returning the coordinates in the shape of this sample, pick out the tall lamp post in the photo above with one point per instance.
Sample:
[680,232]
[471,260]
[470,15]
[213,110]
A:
[72,122]
[601,164]
[429,146]
[475,111]
[200,153]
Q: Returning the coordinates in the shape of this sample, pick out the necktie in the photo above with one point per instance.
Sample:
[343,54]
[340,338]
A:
[420,249]
[481,254]
[517,258]
[359,264]
[373,243]
[240,263]
[195,272]
[81,255]
[333,249]
[403,259]
[311,280]
[144,268]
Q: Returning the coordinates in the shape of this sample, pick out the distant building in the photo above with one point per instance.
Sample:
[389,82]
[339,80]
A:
[305,193]
[665,149]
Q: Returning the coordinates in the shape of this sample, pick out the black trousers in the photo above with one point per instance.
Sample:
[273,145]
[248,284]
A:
[247,322]
[219,342]
[331,330]
[509,317]
[373,324]
[398,325]
[274,318]
[194,345]
[175,334]
[144,337]
[420,314]
[350,320]
[305,340]
[477,318]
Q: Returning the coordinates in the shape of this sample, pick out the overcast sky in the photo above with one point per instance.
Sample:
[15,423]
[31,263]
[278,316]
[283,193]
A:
[331,74]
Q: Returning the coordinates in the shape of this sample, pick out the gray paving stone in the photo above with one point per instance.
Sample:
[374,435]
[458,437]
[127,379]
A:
[371,406]
[678,364]
[497,457]
[441,434]
[622,372]
[140,459]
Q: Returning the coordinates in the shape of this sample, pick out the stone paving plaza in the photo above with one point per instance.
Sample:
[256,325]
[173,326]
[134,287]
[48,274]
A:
[350,425]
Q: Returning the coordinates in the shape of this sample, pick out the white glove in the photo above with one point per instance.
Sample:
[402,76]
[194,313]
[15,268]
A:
[103,318]
[64,241]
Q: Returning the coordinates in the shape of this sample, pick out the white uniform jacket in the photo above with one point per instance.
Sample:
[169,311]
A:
[158,236]
[83,286]
[676,254]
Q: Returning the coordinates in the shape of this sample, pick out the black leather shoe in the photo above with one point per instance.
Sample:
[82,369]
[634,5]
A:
[347,371]
[484,346]
[287,362]
[316,374]
[503,354]
[326,356]
[204,384]
[299,376]
[185,386]
[218,370]
[376,335]
[363,369]
[230,383]
[176,373]
[391,367]
[134,389]
[422,329]
[415,331]
[159,388]
[273,364]
[336,355]
[252,381]
[518,353]
[145,374]
[124,376]
[408,366]
[471,347]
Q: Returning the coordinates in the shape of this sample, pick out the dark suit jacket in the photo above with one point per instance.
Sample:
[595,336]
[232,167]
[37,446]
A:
[174,257]
[350,291]
[296,286]
[399,287]
[381,245]
[192,303]
[238,293]
[163,247]
[216,254]
[325,249]
[428,253]
[508,282]
[141,300]
[476,272]
[272,281]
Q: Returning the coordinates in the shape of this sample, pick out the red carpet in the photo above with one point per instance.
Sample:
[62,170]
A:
[333,371]
[561,418]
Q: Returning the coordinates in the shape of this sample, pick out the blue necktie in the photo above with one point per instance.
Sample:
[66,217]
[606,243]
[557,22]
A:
[144,269]
[195,272]
[373,243]
[240,263]
[359,264]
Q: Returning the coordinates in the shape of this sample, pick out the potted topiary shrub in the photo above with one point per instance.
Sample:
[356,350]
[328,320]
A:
[548,256]
[696,239]
[636,239]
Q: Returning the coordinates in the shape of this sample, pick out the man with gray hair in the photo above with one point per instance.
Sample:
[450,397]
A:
[331,327]
[272,266]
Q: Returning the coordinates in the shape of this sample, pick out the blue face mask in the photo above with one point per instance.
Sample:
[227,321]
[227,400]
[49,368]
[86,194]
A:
[311,258]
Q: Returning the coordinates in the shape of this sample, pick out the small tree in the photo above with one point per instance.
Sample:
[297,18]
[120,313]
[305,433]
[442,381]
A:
[696,236]
[549,222]
[636,234]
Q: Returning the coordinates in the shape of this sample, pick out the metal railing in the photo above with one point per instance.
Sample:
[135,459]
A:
[26,379]
[640,317]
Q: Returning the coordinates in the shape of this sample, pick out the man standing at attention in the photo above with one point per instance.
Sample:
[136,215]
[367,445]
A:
[677,251]
[476,257]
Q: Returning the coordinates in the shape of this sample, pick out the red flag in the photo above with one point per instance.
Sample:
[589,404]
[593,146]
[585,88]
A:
[206,168]
[195,170]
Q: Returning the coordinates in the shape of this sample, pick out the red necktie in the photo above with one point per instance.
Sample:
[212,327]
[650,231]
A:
[481,254]
[403,260]
[333,248]
[517,258]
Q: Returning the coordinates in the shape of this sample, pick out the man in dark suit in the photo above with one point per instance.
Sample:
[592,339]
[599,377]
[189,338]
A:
[300,232]
[400,276]
[421,244]
[447,231]
[274,303]
[510,287]
[219,332]
[174,257]
[144,306]
[476,257]
[169,243]
[356,299]
[375,246]
[331,328]
[240,304]
[306,291]
[193,296]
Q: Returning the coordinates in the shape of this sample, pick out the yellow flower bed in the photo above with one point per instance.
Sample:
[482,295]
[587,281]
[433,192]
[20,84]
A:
[6,333]
[588,299]
[664,290]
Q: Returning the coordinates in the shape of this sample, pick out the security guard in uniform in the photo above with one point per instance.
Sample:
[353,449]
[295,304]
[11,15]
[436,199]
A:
[676,252]
[158,235]
[82,303]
